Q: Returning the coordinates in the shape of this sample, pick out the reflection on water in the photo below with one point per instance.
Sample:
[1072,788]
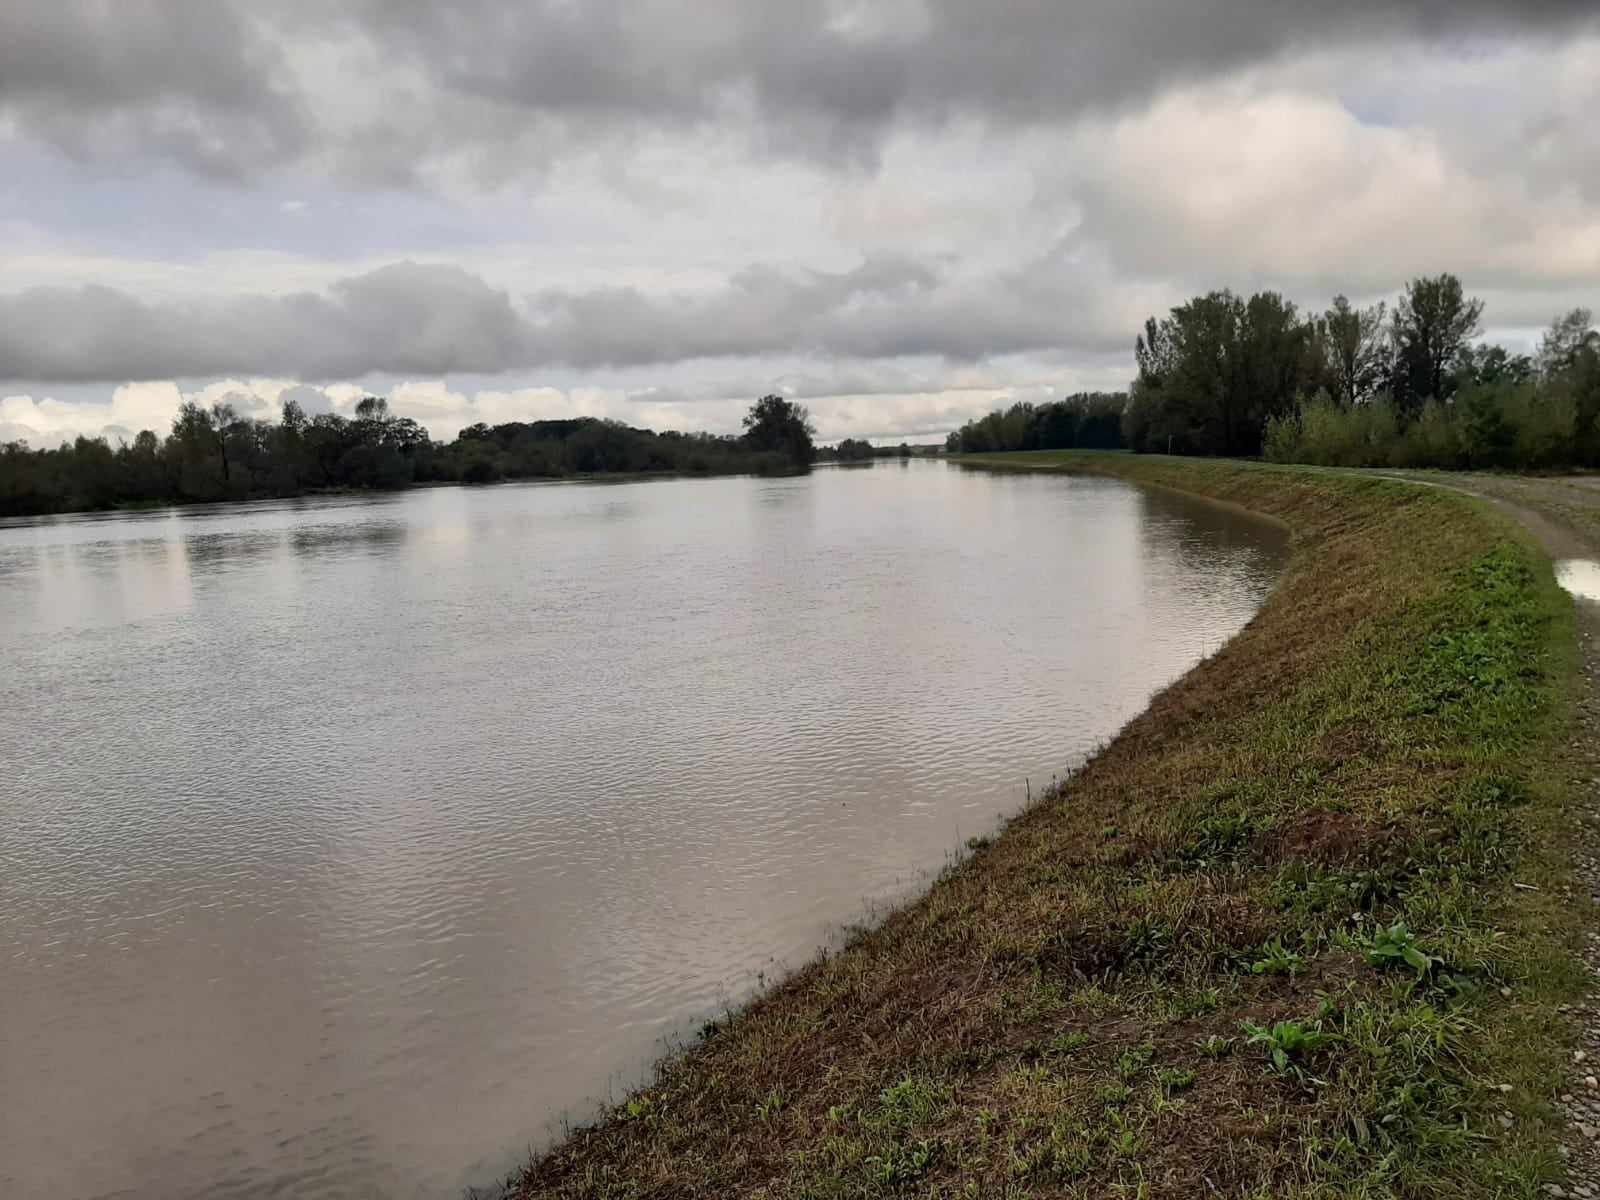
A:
[1581,577]
[345,844]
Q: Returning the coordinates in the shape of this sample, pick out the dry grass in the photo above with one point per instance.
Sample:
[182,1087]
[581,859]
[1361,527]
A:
[1069,1012]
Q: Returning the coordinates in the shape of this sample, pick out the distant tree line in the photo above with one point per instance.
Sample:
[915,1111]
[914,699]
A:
[856,450]
[1086,421]
[212,453]
[1404,385]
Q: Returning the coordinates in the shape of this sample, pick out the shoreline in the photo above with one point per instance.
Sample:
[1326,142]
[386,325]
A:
[1074,1008]
[591,477]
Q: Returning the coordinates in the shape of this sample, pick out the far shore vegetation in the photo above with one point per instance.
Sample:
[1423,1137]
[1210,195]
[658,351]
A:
[858,450]
[1299,931]
[1085,421]
[214,454]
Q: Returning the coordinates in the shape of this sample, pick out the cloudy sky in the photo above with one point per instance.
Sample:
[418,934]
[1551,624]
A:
[902,212]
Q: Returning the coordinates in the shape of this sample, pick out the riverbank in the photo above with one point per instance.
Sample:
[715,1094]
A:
[594,477]
[1301,929]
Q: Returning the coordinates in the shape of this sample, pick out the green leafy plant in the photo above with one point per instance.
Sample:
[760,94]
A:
[1277,959]
[1215,1046]
[1173,1079]
[1134,1059]
[771,1104]
[1219,837]
[1395,944]
[1288,1041]
[903,1162]
[1147,940]
[1113,1095]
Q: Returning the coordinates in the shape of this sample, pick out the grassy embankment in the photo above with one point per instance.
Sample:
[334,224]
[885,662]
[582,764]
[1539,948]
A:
[1184,973]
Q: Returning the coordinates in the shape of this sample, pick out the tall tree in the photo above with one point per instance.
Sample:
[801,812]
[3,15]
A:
[777,425]
[1356,350]
[1492,365]
[1566,340]
[1275,363]
[1203,393]
[1214,371]
[1147,420]
[1569,366]
[1434,322]
[1155,352]
[224,417]
[192,449]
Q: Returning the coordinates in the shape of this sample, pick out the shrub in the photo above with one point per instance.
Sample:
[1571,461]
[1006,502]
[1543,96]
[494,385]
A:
[1325,433]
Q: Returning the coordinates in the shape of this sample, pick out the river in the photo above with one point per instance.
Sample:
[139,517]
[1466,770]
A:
[347,844]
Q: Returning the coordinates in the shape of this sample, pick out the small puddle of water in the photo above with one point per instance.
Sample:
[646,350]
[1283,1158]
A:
[1581,577]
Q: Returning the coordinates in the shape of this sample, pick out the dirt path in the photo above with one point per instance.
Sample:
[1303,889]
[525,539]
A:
[1563,514]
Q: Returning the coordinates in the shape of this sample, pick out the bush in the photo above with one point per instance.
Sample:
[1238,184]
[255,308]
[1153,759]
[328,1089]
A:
[1546,427]
[1323,432]
[1431,440]
[480,470]
[1506,424]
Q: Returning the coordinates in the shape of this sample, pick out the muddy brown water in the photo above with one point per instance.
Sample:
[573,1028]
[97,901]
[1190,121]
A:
[348,844]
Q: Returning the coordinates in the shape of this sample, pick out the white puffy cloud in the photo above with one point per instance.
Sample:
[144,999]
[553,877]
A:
[312,401]
[1237,183]
[47,421]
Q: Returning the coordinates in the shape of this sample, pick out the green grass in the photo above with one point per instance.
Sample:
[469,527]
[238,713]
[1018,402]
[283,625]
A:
[1264,944]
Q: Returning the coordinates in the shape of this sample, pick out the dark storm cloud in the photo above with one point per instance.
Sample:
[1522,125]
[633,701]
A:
[436,320]
[191,81]
[852,69]
[405,318]
[213,84]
